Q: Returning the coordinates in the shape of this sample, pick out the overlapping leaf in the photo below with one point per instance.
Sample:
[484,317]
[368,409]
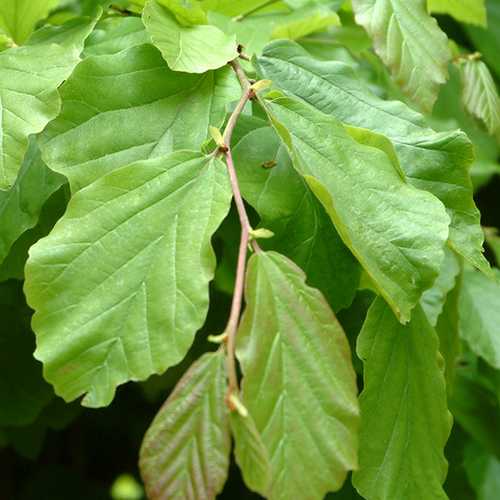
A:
[437,162]
[480,315]
[297,373]
[468,11]
[120,286]
[404,418]
[193,49]
[302,229]
[19,17]
[20,206]
[479,94]
[185,453]
[396,231]
[29,78]
[410,42]
[131,92]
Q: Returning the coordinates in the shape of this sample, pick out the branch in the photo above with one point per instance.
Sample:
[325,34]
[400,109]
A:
[254,10]
[234,316]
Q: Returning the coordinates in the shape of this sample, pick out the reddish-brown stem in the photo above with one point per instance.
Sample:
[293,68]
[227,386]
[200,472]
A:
[234,316]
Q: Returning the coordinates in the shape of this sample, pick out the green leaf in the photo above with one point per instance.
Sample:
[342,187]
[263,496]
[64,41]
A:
[480,315]
[483,471]
[20,206]
[19,17]
[405,422]
[434,298]
[185,452]
[250,453]
[479,95]
[493,240]
[120,286]
[302,229]
[33,72]
[193,49]
[467,11]
[396,231]
[154,109]
[23,392]
[297,373]
[187,12]
[410,43]
[113,34]
[485,40]
[436,162]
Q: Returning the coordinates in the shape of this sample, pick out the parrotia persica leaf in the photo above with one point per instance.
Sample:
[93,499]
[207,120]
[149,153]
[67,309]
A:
[120,286]
[433,299]
[397,232]
[154,109]
[405,422]
[410,43]
[298,381]
[436,162]
[185,452]
[193,49]
[302,229]
[29,78]
[480,315]
[18,17]
[479,94]
[250,453]
[20,206]
[468,11]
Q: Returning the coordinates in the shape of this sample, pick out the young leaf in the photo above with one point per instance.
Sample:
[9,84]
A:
[193,49]
[405,422]
[250,453]
[434,298]
[34,72]
[302,229]
[436,162]
[19,17]
[467,11]
[410,43]
[480,315]
[120,286]
[185,452]
[376,213]
[479,94]
[297,373]
[129,106]
[20,206]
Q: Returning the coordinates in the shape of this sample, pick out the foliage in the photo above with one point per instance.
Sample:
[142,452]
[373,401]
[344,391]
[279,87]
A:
[264,212]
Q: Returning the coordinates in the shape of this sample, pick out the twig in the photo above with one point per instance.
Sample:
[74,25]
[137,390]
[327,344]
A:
[234,316]
[254,10]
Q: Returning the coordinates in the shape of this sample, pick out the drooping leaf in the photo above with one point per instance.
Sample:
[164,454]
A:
[485,40]
[297,372]
[250,453]
[120,286]
[19,17]
[155,110]
[467,11]
[193,49]
[437,162]
[302,229]
[23,392]
[404,417]
[397,241]
[20,206]
[185,452]
[434,298]
[29,78]
[410,43]
[479,95]
[480,315]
